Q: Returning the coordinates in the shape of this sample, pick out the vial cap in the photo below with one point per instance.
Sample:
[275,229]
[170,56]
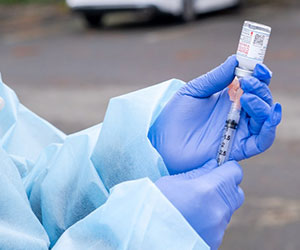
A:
[240,73]
[257,26]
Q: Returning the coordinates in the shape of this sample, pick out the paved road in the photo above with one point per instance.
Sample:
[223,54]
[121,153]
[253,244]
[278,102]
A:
[67,74]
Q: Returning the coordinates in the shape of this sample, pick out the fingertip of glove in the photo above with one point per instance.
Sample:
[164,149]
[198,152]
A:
[248,83]
[212,162]
[232,60]
[241,197]
[276,114]
[262,72]
[234,169]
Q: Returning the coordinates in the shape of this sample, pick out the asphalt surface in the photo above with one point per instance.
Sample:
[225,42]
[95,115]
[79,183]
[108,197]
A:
[67,73]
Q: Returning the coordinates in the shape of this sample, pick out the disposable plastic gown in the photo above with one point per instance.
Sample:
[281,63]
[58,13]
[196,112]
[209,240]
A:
[92,189]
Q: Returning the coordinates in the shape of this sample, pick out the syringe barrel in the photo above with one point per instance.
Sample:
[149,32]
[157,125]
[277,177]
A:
[232,122]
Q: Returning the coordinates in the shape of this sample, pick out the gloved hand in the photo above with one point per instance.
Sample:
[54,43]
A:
[207,197]
[188,131]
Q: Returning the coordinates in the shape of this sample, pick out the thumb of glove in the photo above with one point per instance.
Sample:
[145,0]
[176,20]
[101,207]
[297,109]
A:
[212,82]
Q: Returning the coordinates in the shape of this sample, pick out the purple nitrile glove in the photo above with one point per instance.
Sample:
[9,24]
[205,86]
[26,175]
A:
[207,197]
[188,131]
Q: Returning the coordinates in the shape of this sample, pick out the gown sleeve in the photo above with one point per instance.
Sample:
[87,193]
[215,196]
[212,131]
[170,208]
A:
[66,180]
[135,216]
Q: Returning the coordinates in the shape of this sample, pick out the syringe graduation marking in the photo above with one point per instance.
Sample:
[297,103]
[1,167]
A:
[231,126]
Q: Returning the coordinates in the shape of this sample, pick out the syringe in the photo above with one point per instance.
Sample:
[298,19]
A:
[251,50]
[232,122]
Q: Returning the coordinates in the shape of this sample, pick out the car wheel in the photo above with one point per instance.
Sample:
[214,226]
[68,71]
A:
[188,11]
[93,20]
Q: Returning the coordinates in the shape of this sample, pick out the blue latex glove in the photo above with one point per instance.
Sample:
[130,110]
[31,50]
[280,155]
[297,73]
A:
[188,131]
[207,197]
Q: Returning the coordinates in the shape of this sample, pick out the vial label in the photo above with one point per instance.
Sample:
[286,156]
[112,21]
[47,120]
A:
[253,44]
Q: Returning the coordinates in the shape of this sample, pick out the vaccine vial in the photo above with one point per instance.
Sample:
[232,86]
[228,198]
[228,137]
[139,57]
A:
[252,47]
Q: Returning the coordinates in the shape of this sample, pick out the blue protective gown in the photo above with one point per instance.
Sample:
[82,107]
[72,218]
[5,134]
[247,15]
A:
[92,189]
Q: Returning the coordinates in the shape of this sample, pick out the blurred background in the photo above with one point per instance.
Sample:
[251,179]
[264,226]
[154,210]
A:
[65,66]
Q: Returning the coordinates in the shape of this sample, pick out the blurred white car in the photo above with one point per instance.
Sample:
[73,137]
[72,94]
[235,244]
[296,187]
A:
[92,10]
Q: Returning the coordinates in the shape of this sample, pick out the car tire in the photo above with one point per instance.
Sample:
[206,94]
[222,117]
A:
[93,20]
[188,11]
